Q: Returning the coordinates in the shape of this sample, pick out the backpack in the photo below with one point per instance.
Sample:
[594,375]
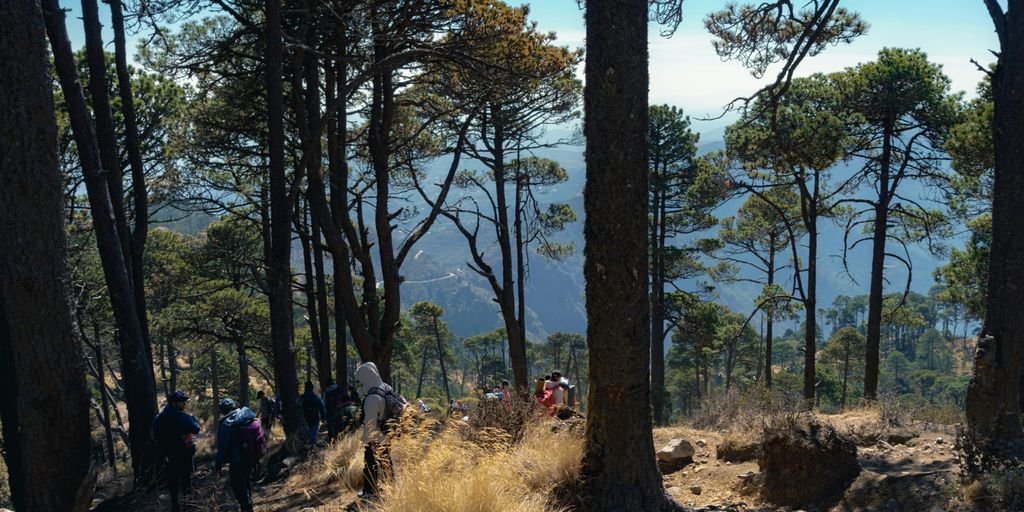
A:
[310,410]
[252,444]
[394,405]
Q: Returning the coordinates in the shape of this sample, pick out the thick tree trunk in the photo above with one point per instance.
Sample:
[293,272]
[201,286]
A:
[993,405]
[875,292]
[41,362]
[619,471]
[279,272]
[136,363]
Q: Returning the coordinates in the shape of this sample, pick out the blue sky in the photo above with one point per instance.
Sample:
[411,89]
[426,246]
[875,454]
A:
[686,72]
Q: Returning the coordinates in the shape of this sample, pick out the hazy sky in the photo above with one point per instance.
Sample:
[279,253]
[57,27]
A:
[686,72]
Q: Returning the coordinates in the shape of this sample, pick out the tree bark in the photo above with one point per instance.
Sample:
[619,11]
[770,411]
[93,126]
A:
[619,471]
[41,362]
[876,293]
[140,197]
[279,271]
[769,322]
[108,433]
[243,372]
[993,395]
[337,133]
[440,356]
[136,363]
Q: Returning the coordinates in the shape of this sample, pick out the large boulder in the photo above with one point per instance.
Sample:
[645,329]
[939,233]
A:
[678,451]
[674,455]
[806,463]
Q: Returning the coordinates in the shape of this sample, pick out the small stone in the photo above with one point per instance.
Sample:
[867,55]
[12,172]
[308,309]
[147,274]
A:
[939,440]
[727,463]
[696,489]
[702,443]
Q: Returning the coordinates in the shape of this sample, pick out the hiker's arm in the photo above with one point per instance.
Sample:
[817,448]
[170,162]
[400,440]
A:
[193,424]
[373,406]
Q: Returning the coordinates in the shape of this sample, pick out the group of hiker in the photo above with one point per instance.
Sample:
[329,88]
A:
[242,434]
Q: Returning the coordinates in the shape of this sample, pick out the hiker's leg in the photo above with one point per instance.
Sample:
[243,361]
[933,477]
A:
[371,470]
[173,476]
[187,468]
[241,486]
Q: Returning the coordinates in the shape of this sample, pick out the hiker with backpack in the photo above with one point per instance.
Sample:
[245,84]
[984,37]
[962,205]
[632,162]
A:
[173,429]
[240,444]
[382,407]
[313,411]
[266,412]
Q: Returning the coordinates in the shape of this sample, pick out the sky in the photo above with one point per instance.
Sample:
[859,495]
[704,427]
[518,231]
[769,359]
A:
[686,72]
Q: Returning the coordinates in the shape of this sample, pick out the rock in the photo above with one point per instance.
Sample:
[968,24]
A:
[676,451]
[939,440]
[884,445]
[746,476]
[702,443]
[696,489]
[805,463]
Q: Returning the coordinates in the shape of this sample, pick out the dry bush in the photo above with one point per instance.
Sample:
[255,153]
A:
[467,469]
[745,410]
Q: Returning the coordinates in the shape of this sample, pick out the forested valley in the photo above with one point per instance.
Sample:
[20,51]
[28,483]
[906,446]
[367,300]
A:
[431,257]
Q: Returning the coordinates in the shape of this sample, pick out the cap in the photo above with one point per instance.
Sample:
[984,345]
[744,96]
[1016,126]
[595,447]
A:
[177,396]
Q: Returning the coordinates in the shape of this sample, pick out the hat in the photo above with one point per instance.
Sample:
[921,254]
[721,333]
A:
[177,396]
[556,372]
[227,405]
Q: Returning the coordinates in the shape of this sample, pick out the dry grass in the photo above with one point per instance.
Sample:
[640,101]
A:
[460,468]
[339,463]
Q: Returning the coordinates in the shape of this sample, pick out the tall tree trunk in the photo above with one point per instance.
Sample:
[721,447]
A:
[770,320]
[423,371]
[136,363]
[172,365]
[440,356]
[337,132]
[993,405]
[104,120]
[140,197]
[321,301]
[320,356]
[279,272]
[44,406]
[108,433]
[619,472]
[875,292]
[215,380]
[810,305]
[243,371]
[659,396]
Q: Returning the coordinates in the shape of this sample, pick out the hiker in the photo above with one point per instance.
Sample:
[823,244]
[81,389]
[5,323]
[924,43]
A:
[503,391]
[173,429]
[349,418]
[313,411]
[240,444]
[423,407]
[266,412]
[333,399]
[558,386]
[381,406]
